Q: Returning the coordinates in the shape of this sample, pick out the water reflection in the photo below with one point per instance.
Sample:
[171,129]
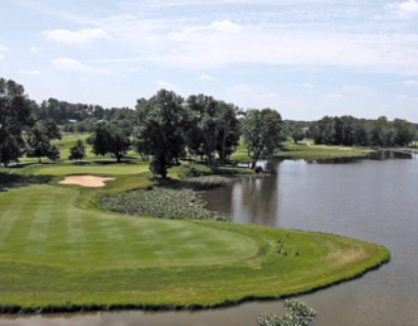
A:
[250,201]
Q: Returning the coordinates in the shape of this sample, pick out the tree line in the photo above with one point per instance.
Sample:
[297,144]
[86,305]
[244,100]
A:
[167,127]
[65,113]
[349,131]
[163,129]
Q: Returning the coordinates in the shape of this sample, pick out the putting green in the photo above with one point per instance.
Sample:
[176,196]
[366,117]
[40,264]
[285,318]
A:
[40,225]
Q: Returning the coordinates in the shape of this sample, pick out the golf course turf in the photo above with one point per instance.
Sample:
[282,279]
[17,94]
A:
[59,251]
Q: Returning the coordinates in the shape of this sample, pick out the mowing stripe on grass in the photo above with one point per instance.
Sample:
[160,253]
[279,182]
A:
[91,256]
[100,240]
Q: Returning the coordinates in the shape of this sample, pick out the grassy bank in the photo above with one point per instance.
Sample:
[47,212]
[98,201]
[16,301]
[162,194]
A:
[307,150]
[59,251]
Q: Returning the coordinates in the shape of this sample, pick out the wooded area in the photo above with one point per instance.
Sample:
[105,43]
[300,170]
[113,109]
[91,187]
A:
[166,128]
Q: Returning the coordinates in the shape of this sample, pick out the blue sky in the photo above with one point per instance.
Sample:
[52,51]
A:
[304,58]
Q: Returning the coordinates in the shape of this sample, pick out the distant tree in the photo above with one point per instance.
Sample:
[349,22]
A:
[262,131]
[161,128]
[361,133]
[15,116]
[405,132]
[77,152]
[110,139]
[323,131]
[39,138]
[297,135]
[53,154]
[382,134]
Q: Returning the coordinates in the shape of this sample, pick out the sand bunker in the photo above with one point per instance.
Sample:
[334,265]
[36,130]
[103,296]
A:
[86,181]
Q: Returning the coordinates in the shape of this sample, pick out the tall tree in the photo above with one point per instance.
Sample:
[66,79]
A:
[78,151]
[160,132]
[262,131]
[205,126]
[39,139]
[110,139]
[382,134]
[405,132]
[14,117]
[229,130]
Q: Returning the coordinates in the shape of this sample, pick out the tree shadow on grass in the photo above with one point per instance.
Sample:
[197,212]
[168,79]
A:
[10,181]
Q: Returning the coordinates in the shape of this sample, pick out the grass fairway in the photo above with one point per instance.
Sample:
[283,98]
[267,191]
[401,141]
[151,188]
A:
[57,249]
[103,169]
[309,151]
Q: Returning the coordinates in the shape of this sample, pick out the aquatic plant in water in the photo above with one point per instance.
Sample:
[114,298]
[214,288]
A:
[161,203]
[298,313]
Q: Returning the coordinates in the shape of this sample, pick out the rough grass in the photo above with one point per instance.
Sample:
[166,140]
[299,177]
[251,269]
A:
[59,251]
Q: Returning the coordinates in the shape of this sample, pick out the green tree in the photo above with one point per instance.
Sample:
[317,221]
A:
[160,132]
[39,138]
[11,149]
[205,126]
[54,153]
[77,152]
[405,132]
[382,134]
[110,139]
[323,131]
[229,130]
[262,131]
[15,116]
[297,135]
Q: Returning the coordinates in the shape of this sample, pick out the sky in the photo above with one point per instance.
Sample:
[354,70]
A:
[304,58]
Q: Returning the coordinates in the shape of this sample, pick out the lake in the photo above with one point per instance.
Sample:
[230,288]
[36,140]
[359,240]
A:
[370,199]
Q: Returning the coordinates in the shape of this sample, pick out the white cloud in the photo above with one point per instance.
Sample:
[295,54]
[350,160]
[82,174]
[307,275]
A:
[68,64]
[407,9]
[412,83]
[220,43]
[206,77]
[78,37]
[226,26]
[30,72]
